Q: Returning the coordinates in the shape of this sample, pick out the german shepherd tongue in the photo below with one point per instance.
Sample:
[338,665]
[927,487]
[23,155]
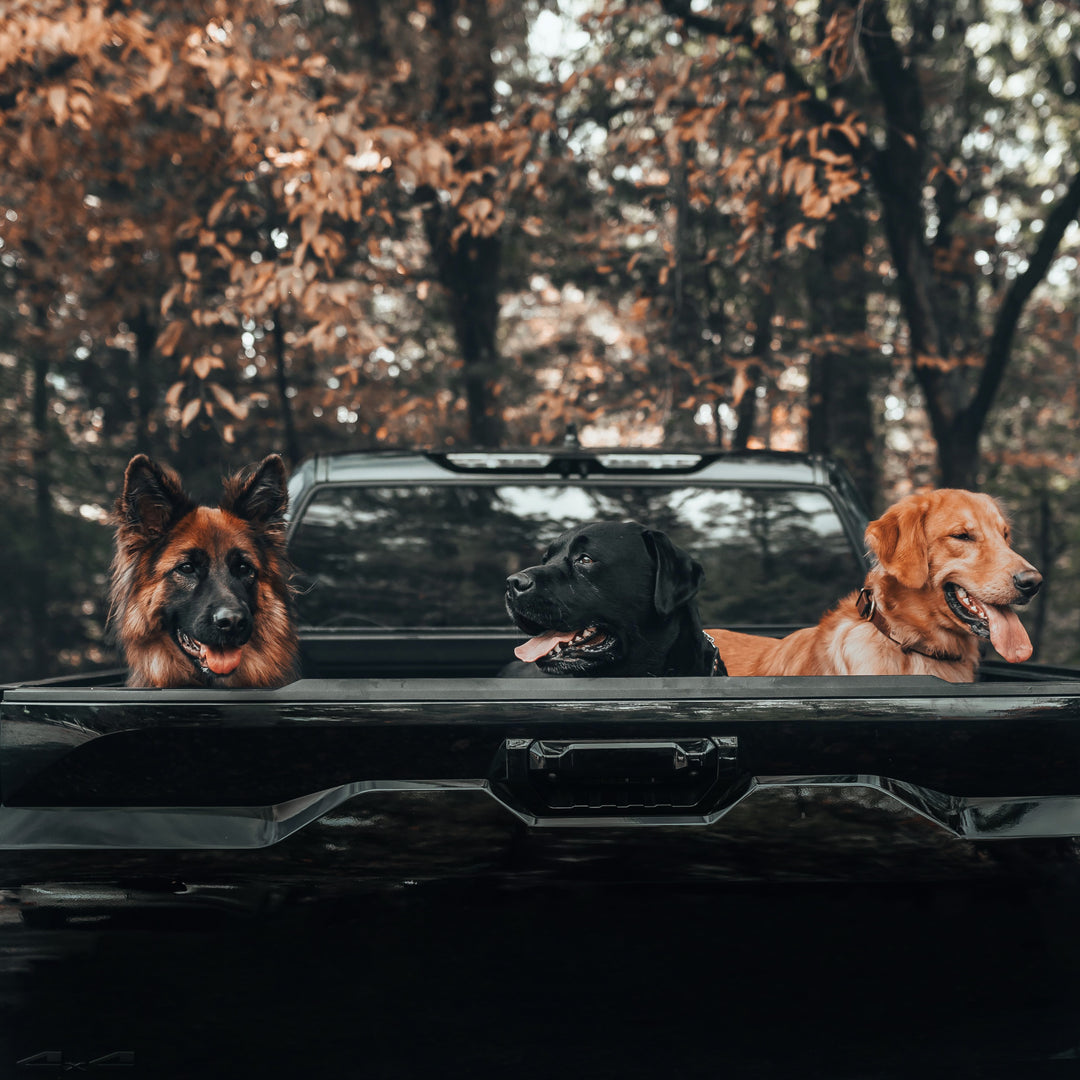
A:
[542,644]
[221,661]
[1008,634]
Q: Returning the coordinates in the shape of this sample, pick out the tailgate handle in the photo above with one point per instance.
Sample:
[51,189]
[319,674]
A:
[642,760]
[594,775]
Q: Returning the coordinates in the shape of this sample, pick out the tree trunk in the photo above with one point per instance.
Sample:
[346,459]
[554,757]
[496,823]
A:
[679,383]
[958,455]
[761,347]
[468,269]
[145,332]
[469,264]
[1047,556]
[41,594]
[841,420]
[281,379]
[746,410]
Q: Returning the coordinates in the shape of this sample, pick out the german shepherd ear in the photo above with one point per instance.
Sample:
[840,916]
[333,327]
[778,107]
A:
[898,541]
[153,499]
[260,496]
[678,576]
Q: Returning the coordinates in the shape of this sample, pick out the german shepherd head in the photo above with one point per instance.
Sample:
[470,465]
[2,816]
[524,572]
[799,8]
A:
[200,595]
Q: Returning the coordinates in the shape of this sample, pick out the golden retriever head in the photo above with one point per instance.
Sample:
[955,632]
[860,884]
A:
[945,568]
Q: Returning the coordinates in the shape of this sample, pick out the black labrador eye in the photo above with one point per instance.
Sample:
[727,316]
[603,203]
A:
[584,559]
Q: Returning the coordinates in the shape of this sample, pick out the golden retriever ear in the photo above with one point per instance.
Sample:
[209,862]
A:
[898,540]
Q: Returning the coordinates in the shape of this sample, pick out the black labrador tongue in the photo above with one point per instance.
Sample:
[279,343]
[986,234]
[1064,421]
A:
[542,644]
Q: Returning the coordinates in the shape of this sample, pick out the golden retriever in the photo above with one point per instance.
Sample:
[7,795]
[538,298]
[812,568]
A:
[945,577]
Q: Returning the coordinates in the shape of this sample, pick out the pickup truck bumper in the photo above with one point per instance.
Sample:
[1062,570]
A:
[239,827]
[378,783]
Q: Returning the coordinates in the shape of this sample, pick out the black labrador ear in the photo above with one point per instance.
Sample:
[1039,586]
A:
[153,499]
[678,576]
[262,496]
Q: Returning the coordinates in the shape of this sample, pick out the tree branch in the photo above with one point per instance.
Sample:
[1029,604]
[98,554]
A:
[997,353]
[898,172]
[771,57]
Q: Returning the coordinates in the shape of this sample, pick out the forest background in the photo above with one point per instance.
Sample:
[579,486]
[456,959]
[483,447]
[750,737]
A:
[239,226]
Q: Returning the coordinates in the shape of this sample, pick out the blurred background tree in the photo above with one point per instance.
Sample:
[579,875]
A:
[847,226]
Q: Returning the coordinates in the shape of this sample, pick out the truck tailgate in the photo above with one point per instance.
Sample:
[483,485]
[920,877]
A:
[94,767]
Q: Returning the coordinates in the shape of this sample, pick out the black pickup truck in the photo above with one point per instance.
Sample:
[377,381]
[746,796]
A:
[538,875]
[399,716]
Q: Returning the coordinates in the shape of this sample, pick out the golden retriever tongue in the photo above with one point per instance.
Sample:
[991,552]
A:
[542,644]
[1007,634]
[221,661]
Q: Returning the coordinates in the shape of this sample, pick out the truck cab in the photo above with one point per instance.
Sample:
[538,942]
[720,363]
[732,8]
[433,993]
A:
[402,556]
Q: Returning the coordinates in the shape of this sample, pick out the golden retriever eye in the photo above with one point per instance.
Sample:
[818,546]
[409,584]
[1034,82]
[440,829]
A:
[962,536]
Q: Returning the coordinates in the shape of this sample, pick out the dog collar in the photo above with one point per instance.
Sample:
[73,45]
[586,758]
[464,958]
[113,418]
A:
[867,607]
[717,663]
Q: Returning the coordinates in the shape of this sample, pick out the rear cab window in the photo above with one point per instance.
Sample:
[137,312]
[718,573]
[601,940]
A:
[437,554]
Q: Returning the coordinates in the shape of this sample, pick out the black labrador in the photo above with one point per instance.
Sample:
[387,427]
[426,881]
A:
[611,598]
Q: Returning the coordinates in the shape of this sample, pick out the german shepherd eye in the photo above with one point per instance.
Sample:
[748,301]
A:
[188,569]
[245,569]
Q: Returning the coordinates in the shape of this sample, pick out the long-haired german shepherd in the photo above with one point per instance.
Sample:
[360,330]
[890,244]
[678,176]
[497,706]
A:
[200,595]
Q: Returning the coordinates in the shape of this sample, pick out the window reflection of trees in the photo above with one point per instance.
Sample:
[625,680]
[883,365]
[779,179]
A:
[439,555]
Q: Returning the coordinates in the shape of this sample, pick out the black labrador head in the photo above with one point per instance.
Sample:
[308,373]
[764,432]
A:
[610,598]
